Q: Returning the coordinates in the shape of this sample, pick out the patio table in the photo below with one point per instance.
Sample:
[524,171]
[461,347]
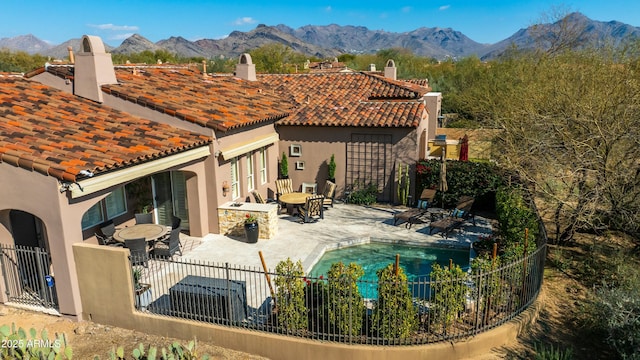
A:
[294,198]
[150,232]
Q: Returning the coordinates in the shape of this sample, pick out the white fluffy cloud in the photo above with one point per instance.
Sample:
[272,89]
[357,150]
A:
[244,21]
[444,7]
[113,27]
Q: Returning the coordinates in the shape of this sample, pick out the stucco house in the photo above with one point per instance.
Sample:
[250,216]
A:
[75,137]
[371,123]
[78,141]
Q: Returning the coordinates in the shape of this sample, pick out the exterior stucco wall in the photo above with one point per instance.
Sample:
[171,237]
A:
[38,195]
[223,170]
[106,288]
[318,143]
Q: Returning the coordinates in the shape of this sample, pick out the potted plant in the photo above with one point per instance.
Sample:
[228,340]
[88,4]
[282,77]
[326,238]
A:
[251,229]
[332,169]
[143,292]
[284,167]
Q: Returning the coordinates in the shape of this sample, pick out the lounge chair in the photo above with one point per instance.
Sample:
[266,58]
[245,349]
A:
[412,215]
[312,208]
[458,216]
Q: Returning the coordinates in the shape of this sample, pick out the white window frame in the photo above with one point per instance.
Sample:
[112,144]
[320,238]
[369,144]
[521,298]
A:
[263,166]
[104,209]
[250,173]
[235,179]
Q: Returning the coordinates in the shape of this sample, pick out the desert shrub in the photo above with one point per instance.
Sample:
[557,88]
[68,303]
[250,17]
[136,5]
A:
[363,194]
[394,315]
[616,310]
[471,178]
[544,352]
[490,291]
[290,295]
[450,291]
[516,218]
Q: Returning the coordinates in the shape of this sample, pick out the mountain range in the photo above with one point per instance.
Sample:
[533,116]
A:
[329,41]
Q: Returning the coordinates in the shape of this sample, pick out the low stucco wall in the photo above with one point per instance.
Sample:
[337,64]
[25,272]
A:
[106,289]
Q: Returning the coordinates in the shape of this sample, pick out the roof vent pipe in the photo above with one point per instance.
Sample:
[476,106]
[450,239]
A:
[72,60]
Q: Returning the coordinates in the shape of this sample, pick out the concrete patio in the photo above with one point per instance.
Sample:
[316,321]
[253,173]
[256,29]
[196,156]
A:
[344,224]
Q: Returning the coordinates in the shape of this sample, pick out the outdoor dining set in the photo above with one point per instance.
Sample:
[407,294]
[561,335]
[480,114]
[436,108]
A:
[307,204]
[143,239]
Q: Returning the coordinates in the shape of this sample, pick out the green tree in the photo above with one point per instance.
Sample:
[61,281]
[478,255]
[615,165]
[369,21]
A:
[275,58]
[450,291]
[20,61]
[346,306]
[394,315]
[290,295]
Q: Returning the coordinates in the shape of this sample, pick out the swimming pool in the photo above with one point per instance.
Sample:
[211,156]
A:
[415,260]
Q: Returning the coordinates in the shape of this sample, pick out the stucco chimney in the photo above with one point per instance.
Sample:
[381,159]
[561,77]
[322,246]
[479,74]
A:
[390,71]
[71,58]
[246,69]
[93,68]
[204,68]
[372,67]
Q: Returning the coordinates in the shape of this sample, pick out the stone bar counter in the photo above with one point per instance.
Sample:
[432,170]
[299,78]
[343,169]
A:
[231,216]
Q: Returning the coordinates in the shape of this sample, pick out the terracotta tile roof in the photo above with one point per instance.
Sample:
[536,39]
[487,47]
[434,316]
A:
[58,134]
[216,102]
[349,99]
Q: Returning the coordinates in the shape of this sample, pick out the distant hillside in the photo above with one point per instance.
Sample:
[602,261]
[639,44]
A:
[26,43]
[432,42]
[332,40]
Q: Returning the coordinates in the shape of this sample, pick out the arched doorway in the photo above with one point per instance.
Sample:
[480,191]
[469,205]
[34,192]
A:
[26,265]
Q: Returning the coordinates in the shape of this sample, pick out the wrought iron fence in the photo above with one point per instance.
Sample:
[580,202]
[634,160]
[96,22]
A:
[439,310]
[27,278]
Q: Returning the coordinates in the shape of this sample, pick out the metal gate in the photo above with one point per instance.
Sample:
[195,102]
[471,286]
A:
[369,162]
[26,276]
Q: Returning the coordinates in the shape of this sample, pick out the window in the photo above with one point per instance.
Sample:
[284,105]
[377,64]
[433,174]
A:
[113,205]
[263,166]
[235,185]
[250,181]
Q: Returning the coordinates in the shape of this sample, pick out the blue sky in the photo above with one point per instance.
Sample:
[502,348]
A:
[486,21]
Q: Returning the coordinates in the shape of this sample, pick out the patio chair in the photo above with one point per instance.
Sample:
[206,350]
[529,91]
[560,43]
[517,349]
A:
[329,193]
[108,242]
[259,199]
[309,188]
[283,186]
[175,222]
[168,247]
[412,215]
[107,230]
[458,216]
[312,208]
[146,218]
[138,249]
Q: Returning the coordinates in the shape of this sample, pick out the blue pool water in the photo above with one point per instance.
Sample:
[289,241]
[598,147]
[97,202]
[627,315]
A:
[415,261]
